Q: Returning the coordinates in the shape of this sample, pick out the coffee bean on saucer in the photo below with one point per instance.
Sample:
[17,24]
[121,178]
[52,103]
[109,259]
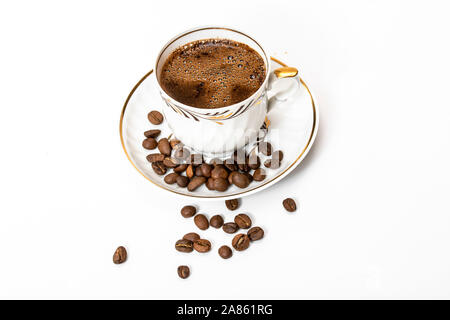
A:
[249,176]
[120,255]
[202,245]
[182,181]
[221,184]
[188,211]
[206,170]
[152,133]
[201,221]
[183,272]
[219,172]
[216,221]
[272,163]
[244,167]
[198,172]
[191,236]
[174,143]
[230,227]
[254,162]
[164,147]
[155,117]
[181,153]
[259,174]
[240,242]
[210,184]
[149,143]
[225,252]
[230,177]
[255,233]
[232,204]
[155,157]
[159,168]
[239,156]
[190,171]
[184,245]
[265,148]
[195,183]
[277,155]
[180,168]
[171,178]
[230,165]
[289,204]
[170,162]
[241,180]
[243,221]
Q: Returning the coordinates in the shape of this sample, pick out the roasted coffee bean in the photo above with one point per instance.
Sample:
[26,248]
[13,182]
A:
[272,163]
[181,153]
[249,176]
[159,168]
[120,255]
[196,159]
[231,166]
[225,252]
[230,177]
[254,162]
[180,168]
[190,171]
[188,211]
[202,245]
[155,117]
[241,180]
[244,167]
[289,204]
[255,233]
[239,156]
[182,181]
[216,221]
[152,133]
[221,184]
[277,155]
[240,242]
[191,236]
[265,148]
[232,204]
[170,162]
[210,184]
[219,172]
[174,143]
[195,183]
[215,161]
[259,174]
[149,143]
[201,221]
[164,147]
[198,172]
[184,245]
[230,227]
[183,272]
[171,178]
[206,170]
[155,157]
[243,221]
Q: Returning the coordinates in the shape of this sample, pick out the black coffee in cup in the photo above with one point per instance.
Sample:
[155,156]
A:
[212,73]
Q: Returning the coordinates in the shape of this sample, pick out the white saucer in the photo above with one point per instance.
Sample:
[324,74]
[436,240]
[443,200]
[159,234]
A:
[295,122]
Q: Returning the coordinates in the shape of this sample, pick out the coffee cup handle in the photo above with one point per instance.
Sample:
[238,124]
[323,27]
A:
[284,93]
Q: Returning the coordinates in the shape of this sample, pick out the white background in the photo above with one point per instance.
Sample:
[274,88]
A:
[373,194]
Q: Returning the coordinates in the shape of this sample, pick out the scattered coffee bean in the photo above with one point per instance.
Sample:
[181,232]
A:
[180,168]
[190,171]
[277,155]
[159,168]
[241,180]
[171,178]
[202,245]
[198,172]
[155,157]
[219,172]
[230,227]
[164,147]
[182,153]
[120,255]
[206,170]
[155,117]
[183,272]
[201,221]
[265,148]
[232,204]
[188,211]
[149,143]
[174,143]
[244,167]
[240,242]
[230,165]
[195,183]
[225,252]
[243,221]
[272,163]
[249,176]
[152,133]
[259,174]
[191,236]
[230,177]
[255,233]
[253,161]
[289,204]
[184,245]
[170,162]
[216,221]
[221,184]
[210,184]
[182,181]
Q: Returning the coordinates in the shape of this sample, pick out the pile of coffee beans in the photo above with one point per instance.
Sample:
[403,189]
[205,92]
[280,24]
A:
[192,171]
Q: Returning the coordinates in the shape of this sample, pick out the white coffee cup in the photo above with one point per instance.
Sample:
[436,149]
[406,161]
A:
[218,132]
